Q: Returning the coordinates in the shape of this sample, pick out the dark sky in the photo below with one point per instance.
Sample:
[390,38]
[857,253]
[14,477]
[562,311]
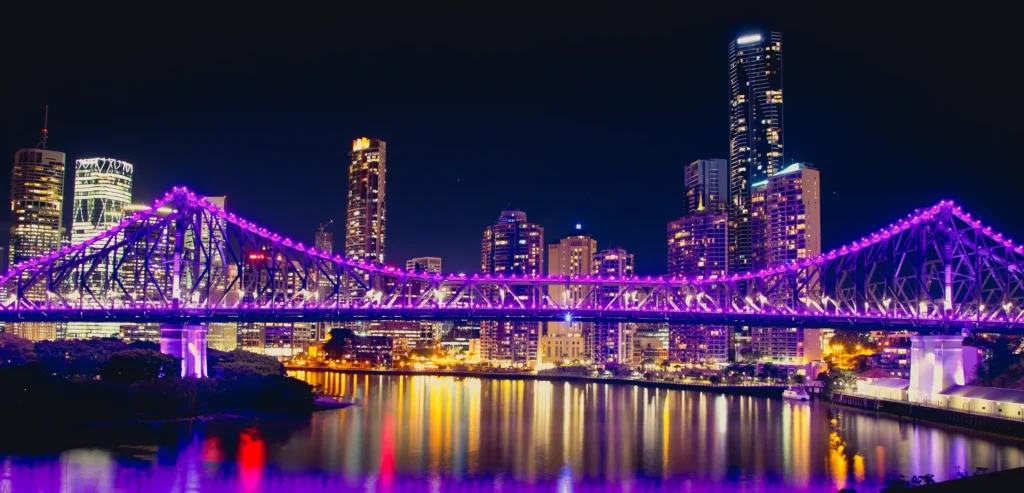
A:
[571,114]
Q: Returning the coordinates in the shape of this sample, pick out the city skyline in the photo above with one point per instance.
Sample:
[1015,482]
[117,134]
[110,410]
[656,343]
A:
[444,168]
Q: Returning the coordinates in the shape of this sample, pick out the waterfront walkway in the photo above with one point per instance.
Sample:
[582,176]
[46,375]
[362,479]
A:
[967,419]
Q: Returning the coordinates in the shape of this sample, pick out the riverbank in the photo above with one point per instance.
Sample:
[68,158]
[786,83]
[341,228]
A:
[949,417]
[751,390]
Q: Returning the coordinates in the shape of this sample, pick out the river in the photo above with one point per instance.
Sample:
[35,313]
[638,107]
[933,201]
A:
[428,433]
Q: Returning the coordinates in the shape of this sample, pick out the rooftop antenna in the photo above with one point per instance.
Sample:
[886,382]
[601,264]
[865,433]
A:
[46,124]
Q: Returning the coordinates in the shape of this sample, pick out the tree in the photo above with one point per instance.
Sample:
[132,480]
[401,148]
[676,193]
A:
[242,363]
[138,365]
[78,358]
[15,351]
[338,343]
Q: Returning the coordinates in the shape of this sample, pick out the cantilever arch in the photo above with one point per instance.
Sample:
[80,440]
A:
[936,364]
[187,342]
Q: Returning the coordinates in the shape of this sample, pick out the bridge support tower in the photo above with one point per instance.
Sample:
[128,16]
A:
[936,363]
[187,342]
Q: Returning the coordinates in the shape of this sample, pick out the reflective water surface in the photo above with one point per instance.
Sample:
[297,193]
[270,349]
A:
[466,434]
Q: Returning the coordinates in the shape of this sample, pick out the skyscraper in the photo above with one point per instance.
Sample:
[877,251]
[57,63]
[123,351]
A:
[793,214]
[367,211]
[571,256]
[755,131]
[512,245]
[697,244]
[103,188]
[788,218]
[612,342]
[697,247]
[37,199]
[707,185]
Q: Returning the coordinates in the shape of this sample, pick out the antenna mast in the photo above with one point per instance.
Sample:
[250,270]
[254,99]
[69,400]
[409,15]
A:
[46,124]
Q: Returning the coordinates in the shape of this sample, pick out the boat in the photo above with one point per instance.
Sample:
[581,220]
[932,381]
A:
[796,393]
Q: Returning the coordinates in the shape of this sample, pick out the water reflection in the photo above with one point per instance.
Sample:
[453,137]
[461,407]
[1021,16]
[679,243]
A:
[431,433]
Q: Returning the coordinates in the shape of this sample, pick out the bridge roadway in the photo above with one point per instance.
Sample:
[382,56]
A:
[516,314]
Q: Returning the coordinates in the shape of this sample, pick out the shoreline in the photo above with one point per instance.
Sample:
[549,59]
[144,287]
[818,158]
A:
[1009,429]
[750,390]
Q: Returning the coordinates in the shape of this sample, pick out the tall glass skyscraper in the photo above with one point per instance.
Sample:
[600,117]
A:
[37,200]
[512,245]
[103,188]
[755,131]
[367,211]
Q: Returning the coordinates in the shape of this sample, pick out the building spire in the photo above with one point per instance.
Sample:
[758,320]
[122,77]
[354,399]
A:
[46,131]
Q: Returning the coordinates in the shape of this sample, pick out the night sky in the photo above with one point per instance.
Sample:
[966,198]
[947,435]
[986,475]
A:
[570,115]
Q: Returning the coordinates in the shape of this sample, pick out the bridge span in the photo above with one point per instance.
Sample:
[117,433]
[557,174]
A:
[187,261]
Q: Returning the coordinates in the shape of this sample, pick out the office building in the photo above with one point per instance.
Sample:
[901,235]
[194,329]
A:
[561,349]
[222,336]
[283,340]
[367,210]
[37,201]
[139,332]
[103,188]
[572,256]
[755,132]
[707,185]
[36,226]
[430,265]
[512,245]
[102,192]
[324,242]
[610,343]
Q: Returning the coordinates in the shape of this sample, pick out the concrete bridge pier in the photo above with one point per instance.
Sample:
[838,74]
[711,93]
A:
[187,342]
[936,363]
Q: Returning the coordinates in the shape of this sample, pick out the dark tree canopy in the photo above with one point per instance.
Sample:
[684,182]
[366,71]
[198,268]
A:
[139,365]
[242,363]
[15,351]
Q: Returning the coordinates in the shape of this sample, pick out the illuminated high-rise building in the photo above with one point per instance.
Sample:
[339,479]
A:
[324,242]
[611,343]
[788,218]
[571,256]
[431,265]
[793,214]
[102,191]
[755,132]
[37,201]
[103,187]
[367,211]
[698,246]
[707,185]
[36,228]
[512,245]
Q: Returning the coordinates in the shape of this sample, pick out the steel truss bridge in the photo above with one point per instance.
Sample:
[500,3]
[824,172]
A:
[187,261]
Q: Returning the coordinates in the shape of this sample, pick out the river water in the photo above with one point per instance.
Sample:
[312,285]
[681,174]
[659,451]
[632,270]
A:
[448,434]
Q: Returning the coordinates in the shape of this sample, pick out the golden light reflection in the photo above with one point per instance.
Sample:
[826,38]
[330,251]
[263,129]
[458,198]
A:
[538,431]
